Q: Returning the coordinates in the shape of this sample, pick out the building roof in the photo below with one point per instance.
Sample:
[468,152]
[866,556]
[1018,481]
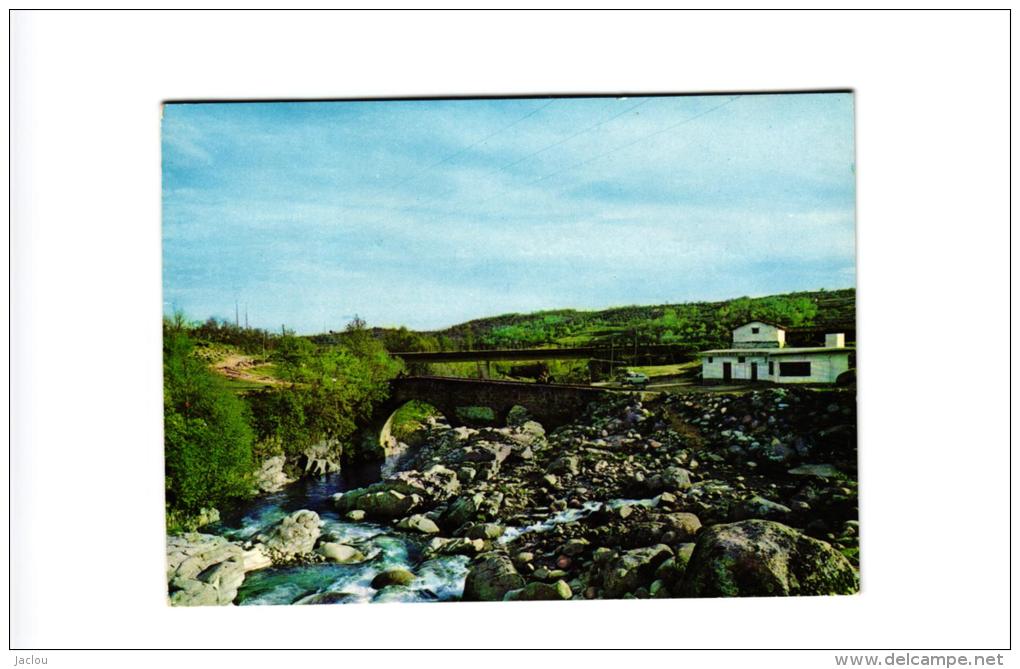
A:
[775,325]
[772,352]
[816,349]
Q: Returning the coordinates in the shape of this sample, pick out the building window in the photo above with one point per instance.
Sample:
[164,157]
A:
[710,358]
[754,330]
[795,369]
[772,369]
[740,358]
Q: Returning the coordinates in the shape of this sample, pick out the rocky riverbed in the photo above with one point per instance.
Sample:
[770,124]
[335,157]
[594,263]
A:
[689,495]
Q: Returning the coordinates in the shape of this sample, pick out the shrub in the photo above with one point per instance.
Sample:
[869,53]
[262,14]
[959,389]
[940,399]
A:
[476,415]
[410,418]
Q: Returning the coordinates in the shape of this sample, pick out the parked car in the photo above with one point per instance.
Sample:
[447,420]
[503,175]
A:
[634,379]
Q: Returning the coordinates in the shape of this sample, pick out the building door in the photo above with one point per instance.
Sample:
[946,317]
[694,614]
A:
[727,371]
[754,371]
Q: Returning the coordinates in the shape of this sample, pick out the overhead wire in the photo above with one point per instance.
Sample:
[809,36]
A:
[558,142]
[572,166]
[473,144]
[570,137]
[633,142]
[616,149]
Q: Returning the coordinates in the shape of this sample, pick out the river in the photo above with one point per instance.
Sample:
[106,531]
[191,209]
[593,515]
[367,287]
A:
[436,580]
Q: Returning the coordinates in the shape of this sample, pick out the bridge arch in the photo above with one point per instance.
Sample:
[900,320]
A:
[551,404]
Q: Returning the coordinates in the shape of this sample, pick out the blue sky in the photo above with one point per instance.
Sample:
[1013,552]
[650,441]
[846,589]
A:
[430,213]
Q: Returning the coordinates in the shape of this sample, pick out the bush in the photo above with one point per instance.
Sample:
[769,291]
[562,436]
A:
[476,415]
[410,418]
[207,436]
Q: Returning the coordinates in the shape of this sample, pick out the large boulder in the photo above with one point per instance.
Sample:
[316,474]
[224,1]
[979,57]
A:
[401,494]
[205,569]
[192,592]
[761,558]
[633,569]
[491,578]
[464,509]
[340,553]
[529,435]
[483,451]
[684,526]
[271,476]
[256,558]
[379,504]
[294,535]
[188,555]
[435,485]
[419,523]
[483,456]
[320,459]
[395,576]
[669,479]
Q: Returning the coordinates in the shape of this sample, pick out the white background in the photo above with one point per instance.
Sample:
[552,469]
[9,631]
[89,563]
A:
[933,104]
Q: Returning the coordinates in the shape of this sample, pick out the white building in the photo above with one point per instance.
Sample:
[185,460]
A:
[759,334]
[760,353]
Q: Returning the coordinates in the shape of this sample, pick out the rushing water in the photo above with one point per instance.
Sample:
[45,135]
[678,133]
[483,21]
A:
[438,579]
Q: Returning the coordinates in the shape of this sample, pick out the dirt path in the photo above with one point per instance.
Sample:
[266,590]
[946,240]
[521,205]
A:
[244,368]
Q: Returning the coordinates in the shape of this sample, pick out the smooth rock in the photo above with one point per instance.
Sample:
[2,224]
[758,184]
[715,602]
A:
[389,577]
[419,523]
[340,553]
[294,535]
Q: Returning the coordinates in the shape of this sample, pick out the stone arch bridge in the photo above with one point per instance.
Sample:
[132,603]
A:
[552,404]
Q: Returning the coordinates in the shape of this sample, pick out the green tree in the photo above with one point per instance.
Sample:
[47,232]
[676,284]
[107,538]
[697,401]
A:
[333,389]
[207,436]
[291,355]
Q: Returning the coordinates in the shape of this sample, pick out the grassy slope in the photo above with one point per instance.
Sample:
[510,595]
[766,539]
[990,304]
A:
[580,328]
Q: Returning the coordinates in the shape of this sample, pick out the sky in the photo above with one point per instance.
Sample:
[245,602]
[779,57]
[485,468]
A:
[429,213]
